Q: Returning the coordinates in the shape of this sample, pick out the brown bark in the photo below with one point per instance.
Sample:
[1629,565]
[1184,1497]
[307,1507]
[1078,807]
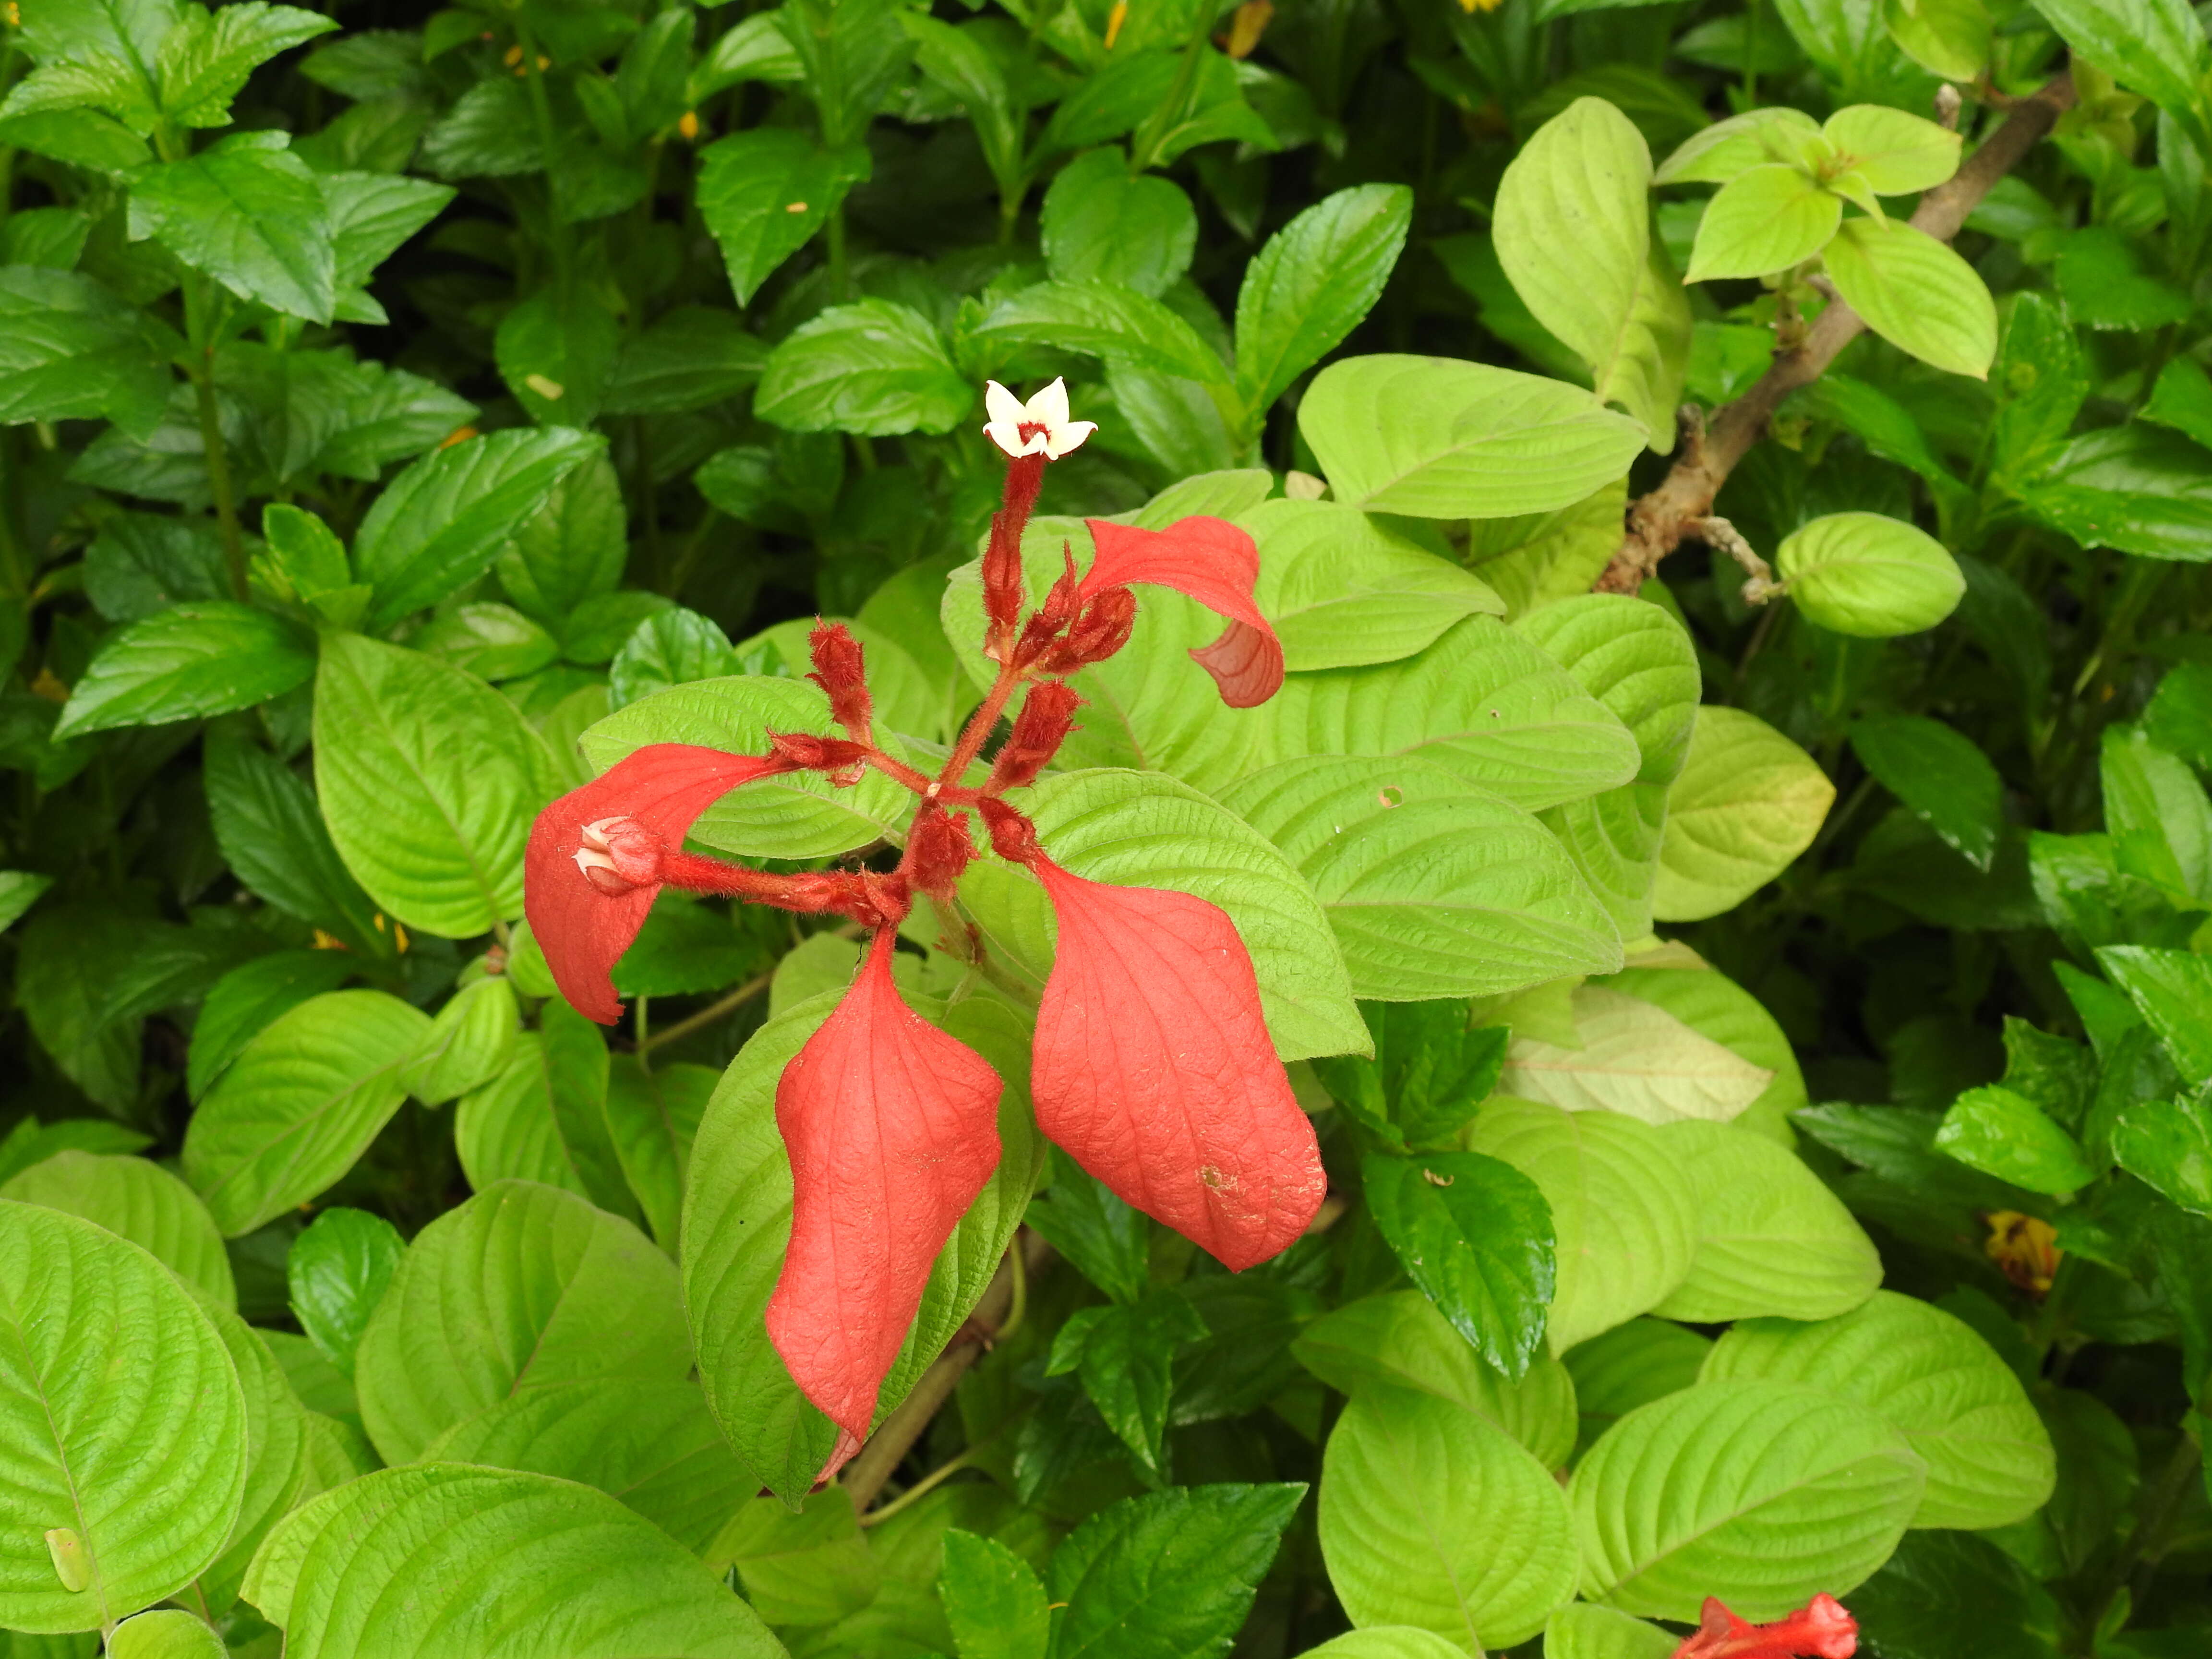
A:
[1710,450]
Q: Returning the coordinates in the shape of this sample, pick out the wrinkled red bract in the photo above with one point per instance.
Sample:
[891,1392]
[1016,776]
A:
[583,931]
[1212,560]
[893,1128]
[1821,1630]
[1154,1070]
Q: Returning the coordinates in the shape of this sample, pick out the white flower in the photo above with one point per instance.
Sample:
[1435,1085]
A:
[1041,424]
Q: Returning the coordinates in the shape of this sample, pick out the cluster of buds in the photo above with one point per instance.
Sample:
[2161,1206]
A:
[1151,1064]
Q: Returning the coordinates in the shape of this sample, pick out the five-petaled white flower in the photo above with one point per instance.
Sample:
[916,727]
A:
[1039,426]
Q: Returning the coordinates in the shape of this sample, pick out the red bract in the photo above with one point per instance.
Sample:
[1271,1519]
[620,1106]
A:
[893,1128]
[1212,560]
[1821,1630]
[1153,1068]
[649,800]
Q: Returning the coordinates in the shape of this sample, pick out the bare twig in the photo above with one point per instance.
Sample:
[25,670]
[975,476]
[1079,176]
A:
[887,1447]
[1710,451]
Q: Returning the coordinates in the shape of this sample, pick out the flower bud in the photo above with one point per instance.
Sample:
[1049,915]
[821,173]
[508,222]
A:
[1047,717]
[1013,837]
[938,850]
[809,753]
[1101,629]
[618,854]
[840,669]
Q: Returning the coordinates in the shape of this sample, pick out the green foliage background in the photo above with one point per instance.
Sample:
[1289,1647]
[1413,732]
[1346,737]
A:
[1760,1025]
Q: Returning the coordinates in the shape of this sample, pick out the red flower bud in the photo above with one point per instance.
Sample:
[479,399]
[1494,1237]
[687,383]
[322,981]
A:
[840,669]
[805,752]
[1013,837]
[937,850]
[1102,629]
[1821,1630]
[1047,717]
[1004,596]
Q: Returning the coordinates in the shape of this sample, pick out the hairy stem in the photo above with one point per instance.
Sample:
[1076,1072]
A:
[1658,522]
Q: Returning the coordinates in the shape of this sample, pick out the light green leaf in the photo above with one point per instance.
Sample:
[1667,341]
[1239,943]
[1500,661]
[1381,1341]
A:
[2155,47]
[1538,559]
[1311,285]
[250,213]
[571,549]
[1386,1642]
[1439,439]
[765,193]
[1102,224]
[796,815]
[1634,1058]
[244,1001]
[2157,815]
[1940,776]
[298,1105]
[809,1563]
[873,367]
[1400,1340]
[1116,325]
[1916,294]
[1636,659]
[2006,1134]
[1129,1596]
[1747,802]
[652,1118]
[1958,1403]
[450,1562]
[2168,1144]
[1760,1493]
[1624,1228]
[1433,1517]
[469,1043]
[97,1524]
[166,1634]
[556,354]
[279,1456]
[186,662]
[1585,1631]
[1771,1239]
[1868,576]
[1145,829]
[1573,232]
[1714,1006]
[1949,38]
[994,1602]
[1343,588]
[1628,1366]
[1495,905]
[140,1200]
[555,1291]
[1728,149]
[651,1445]
[1482,702]
[442,523]
[428,780]
[508,1128]
[1895,153]
[1769,219]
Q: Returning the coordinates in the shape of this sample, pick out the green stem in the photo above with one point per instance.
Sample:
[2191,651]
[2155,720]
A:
[541,115]
[203,309]
[2148,1541]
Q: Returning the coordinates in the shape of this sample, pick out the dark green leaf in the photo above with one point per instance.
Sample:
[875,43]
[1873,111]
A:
[143,563]
[556,353]
[337,1271]
[1105,1239]
[1125,1353]
[70,349]
[1169,1576]
[693,356]
[188,661]
[995,1603]
[670,648]
[876,368]
[271,833]
[1311,285]
[1475,1234]
[1102,223]
[250,213]
[2003,1134]
[1940,776]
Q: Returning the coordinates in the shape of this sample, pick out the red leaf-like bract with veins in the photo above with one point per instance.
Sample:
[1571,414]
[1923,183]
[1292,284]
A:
[1212,560]
[893,1128]
[1154,1070]
[583,930]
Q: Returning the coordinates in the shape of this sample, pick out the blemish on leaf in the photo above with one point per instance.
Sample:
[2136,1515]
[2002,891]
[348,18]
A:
[72,1561]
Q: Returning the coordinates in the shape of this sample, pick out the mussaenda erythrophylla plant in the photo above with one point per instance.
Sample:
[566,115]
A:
[1152,1066]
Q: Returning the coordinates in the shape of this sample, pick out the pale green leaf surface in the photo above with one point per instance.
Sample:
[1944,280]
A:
[1343,588]
[1634,1058]
[139,1200]
[1868,576]
[1958,1403]
[1761,1493]
[1747,801]
[1916,294]
[1433,1517]
[141,1455]
[522,1287]
[298,1105]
